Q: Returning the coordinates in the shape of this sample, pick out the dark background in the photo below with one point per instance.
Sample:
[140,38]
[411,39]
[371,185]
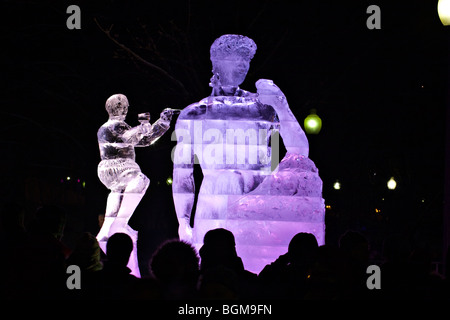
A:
[381,95]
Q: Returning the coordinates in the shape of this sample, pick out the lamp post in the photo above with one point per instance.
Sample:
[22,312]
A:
[444,14]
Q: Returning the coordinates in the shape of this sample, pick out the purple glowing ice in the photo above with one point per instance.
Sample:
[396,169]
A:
[118,170]
[230,134]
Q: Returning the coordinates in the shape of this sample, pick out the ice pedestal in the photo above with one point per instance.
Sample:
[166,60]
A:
[261,238]
[264,221]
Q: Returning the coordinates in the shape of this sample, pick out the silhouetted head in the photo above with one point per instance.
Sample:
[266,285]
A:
[117,106]
[354,246]
[86,254]
[396,248]
[12,217]
[219,283]
[230,56]
[51,219]
[219,248]
[302,248]
[219,238]
[118,249]
[175,261]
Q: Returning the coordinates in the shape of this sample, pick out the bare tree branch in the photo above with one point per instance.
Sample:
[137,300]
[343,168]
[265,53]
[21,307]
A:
[139,58]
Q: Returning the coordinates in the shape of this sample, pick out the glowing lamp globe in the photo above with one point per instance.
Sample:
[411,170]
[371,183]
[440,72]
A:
[392,184]
[313,123]
[444,11]
[337,185]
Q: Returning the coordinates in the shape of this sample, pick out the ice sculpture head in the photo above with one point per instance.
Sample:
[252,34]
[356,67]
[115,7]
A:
[230,57]
[117,106]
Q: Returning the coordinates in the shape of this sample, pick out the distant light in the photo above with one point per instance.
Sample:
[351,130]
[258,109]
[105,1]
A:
[444,11]
[328,207]
[84,184]
[313,123]
[337,185]
[377,210]
[392,184]
[423,200]
[169,181]
[68,178]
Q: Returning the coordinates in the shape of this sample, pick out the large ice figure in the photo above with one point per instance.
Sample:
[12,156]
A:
[120,173]
[229,135]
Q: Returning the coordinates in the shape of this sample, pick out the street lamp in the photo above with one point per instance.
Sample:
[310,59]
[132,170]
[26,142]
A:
[444,15]
[312,123]
[444,11]
[392,184]
[337,185]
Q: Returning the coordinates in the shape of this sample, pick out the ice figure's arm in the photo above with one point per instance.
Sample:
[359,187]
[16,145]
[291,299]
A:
[183,197]
[293,136]
[146,134]
[153,132]
[134,135]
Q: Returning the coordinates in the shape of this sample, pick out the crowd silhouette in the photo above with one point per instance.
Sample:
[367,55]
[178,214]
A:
[35,260]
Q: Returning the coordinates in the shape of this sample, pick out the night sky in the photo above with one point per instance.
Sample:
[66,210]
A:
[381,95]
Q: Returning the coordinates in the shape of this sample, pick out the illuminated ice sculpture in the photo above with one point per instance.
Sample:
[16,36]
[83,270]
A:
[230,134]
[120,173]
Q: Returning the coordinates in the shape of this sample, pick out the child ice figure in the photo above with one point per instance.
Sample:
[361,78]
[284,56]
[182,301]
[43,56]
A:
[118,170]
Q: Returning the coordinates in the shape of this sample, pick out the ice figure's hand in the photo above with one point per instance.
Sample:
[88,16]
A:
[292,134]
[167,113]
[185,231]
[267,87]
[269,93]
